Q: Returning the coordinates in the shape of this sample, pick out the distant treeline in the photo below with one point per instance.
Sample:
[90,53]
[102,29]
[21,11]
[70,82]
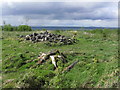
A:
[16,28]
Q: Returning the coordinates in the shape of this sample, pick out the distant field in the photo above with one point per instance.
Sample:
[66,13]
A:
[96,50]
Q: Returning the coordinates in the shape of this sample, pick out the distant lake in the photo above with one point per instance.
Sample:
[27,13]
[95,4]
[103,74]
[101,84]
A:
[69,28]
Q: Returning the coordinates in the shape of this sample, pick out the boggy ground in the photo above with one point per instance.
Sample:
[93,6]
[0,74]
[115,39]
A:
[96,50]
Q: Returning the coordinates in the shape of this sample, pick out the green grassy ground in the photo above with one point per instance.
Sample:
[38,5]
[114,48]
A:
[96,50]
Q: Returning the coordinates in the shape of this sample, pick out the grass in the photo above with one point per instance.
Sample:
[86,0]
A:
[96,50]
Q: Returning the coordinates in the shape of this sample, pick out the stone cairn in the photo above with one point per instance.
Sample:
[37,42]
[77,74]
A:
[50,37]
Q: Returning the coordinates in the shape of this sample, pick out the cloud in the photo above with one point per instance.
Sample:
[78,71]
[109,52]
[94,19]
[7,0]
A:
[57,12]
[61,0]
[18,20]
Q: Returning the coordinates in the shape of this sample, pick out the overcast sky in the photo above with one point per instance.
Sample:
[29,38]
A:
[83,14]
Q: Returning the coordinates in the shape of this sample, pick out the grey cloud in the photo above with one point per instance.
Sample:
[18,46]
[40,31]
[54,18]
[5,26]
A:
[60,10]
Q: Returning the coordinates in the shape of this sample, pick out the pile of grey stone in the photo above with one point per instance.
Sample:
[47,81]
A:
[50,37]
